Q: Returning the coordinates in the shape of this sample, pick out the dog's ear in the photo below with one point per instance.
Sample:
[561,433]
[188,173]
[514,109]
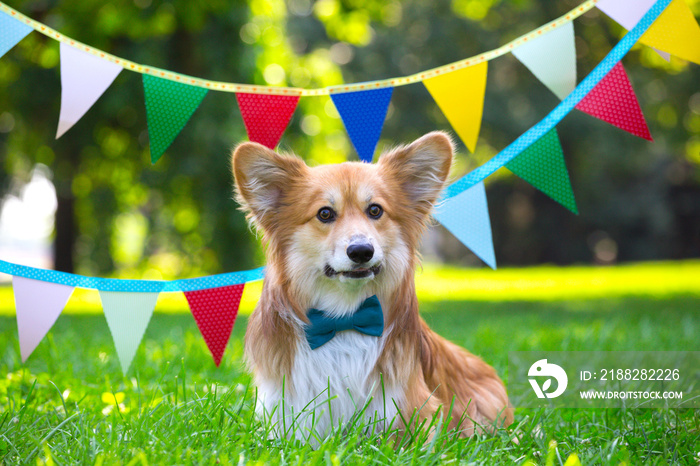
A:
[262,177]
[420,168]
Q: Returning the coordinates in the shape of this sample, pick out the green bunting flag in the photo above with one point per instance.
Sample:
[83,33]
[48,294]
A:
[169,105]
[542,165]
[127,316]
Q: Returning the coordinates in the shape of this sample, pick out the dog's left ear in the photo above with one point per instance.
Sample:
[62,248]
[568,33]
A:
[420,168]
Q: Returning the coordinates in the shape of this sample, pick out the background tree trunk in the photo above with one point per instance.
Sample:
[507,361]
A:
[64,241]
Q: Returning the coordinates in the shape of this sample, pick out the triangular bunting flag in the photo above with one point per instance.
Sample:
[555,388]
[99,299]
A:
[675,31]
[613,101]
[543,166]
[38,306]
[169,105]
[466,216]
[215,311]
[11,32]
[127,314]
[460,96]
[552,59]
[266,116]
[363,114]
[84,78]
[627,14]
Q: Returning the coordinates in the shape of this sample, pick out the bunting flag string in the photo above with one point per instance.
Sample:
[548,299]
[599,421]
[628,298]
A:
[84,78]
[127,316]
[552,59]
[363,114]
[457,88]
[277,90]
[548,123]
[137,286]
[171,98]
[41,295]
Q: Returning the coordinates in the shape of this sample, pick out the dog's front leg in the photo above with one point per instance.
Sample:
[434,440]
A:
[419,407]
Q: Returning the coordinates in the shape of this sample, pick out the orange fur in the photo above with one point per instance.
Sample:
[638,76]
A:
[282,197]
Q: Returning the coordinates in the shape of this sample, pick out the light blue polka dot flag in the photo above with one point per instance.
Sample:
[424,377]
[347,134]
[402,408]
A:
[11,32]
[466,215]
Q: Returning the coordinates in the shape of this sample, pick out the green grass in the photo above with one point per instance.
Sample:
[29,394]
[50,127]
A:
[175,407]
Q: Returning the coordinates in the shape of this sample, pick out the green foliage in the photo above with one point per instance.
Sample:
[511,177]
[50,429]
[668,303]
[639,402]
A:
[71,404]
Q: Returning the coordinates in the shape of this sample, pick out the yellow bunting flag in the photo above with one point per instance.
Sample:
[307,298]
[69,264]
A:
[460,96]
[675,31]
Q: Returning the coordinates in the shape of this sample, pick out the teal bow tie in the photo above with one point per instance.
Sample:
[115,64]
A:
[368,319]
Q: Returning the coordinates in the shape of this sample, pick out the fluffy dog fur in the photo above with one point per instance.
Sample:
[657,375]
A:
[307,392]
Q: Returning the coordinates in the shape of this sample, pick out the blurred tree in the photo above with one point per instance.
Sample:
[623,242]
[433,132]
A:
[119,215]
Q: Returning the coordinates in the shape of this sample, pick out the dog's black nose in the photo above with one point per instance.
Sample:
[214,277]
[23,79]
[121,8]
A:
[360,252]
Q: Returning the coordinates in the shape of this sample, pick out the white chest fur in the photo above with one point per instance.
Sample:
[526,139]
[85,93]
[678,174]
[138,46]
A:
[330,385]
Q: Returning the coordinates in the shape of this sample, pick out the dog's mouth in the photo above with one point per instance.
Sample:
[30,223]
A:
[356,273]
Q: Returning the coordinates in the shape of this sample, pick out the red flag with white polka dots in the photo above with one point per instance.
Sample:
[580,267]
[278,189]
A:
[613,100]
[266,116]
[215,311]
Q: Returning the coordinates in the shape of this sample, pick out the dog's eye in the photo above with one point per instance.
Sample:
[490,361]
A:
[326,214]
[374,211]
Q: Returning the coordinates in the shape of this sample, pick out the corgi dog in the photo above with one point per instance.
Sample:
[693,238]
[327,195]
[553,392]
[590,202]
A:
[342,248]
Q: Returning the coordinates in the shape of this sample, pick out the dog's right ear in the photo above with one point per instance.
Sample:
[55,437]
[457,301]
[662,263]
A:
[262,177]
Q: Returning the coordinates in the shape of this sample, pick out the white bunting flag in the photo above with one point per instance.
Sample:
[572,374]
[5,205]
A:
[38,306]
[627,14]
[127,316]
[84,78]
[552,59]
